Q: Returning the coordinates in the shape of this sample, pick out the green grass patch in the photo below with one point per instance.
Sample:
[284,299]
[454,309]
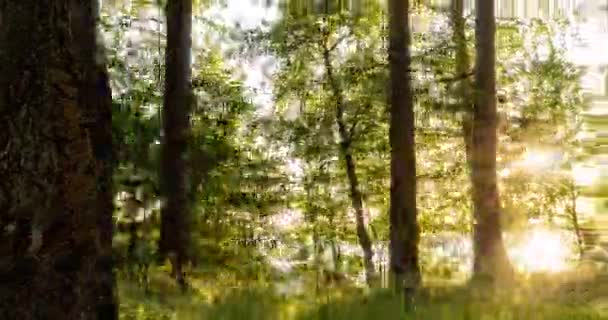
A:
[539,298]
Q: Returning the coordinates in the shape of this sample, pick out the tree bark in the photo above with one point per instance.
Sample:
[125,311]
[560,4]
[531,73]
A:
[351,172]
[56,164]
[462,69]
[175,221]
[490,261]
[404,230]
[97,98]
[357,203]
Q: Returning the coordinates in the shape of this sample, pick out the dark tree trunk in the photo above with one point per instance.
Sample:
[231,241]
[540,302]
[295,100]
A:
[462,69]
[175,224]
[357,203]
[101,140]
[351,172]
[97,98]
[56,164]
[404,231]
[491,261]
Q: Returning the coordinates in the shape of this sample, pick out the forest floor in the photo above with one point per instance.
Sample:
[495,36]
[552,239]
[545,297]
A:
[577,295]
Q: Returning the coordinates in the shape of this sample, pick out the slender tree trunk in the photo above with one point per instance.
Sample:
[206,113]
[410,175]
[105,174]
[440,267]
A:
[132,245]
[462,68]
[316,257]
[175,221]
[575,221]
[55,164]
[404,231]
[335,247]
[490,261]
[357,203]
[351,173]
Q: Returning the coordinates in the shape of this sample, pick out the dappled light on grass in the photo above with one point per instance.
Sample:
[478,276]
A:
[254,301]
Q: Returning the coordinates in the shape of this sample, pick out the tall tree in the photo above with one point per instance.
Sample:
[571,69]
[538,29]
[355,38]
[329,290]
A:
[462,74]
[346,133]
[404,231]
[56,164]
[97,96]
[346,151]
[175,221]
[490,259]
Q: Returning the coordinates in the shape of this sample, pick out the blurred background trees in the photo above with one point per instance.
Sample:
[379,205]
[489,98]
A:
[302,156]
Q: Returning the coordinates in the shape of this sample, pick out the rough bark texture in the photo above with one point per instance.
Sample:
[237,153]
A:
[350,165]
[55,164]
[404,231]
[175,225]
[491,261]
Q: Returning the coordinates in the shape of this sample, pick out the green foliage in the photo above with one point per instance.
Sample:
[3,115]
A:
[437,304]
[229,173]
[248,169]
[539,98]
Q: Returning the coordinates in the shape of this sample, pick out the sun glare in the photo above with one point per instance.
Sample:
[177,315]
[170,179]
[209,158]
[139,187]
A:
[536,159]
[585,175]
[542,251]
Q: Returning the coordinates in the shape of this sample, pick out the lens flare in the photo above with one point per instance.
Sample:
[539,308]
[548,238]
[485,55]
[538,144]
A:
[539,159]
[585,175]
[542,251]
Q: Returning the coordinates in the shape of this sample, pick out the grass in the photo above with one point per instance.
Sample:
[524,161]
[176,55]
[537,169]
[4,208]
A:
[558,297]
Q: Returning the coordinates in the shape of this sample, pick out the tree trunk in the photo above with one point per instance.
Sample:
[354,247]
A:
[462,69]
[56,164]
[357,203]
[490,261]
[175,221]
[316,257]
[97,98]
[573,212]
[101,139]
[335,247]
[404,231]
[351,173]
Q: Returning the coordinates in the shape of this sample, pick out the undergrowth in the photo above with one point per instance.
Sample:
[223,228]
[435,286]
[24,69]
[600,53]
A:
[541,298]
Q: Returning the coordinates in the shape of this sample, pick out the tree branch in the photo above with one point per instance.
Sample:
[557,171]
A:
[339,40]
[457,77]
[356,118]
